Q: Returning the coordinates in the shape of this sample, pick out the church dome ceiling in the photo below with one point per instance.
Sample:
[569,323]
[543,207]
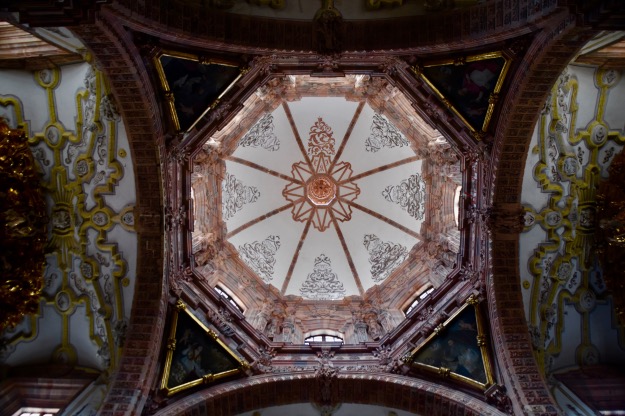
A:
[323,197]
[311,221]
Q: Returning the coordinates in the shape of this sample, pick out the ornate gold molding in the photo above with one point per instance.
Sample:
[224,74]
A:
[610,234]
[24,228]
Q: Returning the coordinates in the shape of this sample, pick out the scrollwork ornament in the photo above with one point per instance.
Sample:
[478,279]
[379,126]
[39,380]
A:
[265,64]
[219,111]
[179,156]
[425,313]
[391,65]
[467,272]
[175,218]
[263,362]
[386,360]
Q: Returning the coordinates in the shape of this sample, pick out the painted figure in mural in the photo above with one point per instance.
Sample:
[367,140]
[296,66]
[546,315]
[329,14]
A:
[187,364]
[479,79]
[468,86]
[191,360]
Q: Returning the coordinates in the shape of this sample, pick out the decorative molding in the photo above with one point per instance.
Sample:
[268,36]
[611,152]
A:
[409,195]
[261,256]
[235,195]
[320,139]
[383,135]
[384,257]
[322,283]
[261,135]
[322,188]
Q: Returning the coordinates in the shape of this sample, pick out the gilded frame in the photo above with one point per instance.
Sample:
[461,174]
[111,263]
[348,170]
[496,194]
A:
[478,133]
[171,347]
[481,341]
[169,95]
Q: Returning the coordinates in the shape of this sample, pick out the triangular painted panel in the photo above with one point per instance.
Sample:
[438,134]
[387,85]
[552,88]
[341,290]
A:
[470,88]
[194,86]
[457,350]
[195,354]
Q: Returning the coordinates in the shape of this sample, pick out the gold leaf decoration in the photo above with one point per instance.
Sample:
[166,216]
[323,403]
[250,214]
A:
[24,228]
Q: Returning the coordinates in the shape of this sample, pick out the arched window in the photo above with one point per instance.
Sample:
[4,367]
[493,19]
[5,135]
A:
[222,292]
[457,204]
[322,338]
[35,411]
[418,299]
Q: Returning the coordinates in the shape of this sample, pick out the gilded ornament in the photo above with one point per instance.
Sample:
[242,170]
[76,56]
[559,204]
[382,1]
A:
[24,228]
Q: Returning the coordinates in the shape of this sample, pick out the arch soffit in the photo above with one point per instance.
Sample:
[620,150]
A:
[383,390]
[115,55]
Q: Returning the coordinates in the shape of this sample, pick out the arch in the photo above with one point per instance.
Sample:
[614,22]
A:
[400,392]
[547,57]
[115,56]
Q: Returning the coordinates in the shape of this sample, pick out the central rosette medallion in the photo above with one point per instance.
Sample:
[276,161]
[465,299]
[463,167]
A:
[323,187]
[321,190]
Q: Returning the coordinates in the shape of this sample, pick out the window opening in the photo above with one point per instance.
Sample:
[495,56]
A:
[418,299]
[322,338]
[457,204]
[226,296]
[36,411]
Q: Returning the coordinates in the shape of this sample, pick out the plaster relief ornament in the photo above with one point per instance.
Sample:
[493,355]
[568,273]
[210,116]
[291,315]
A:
[383,134]
[599,134]
[234,195]
[322,189]
[322,283]
[409,194]
[262,135]
[320,140]
[383,256]
[261,257]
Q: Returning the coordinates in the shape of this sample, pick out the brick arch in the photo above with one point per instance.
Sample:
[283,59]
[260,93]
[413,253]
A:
[116,56]
[388,390]
[545,60]
[470,27]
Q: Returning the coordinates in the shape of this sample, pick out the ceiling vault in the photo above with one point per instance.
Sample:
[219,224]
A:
[427,248]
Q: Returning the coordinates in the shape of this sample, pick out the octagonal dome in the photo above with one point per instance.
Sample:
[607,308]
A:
[322,190]
[323,198]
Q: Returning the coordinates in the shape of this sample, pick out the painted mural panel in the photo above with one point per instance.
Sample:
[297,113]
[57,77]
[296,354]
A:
[197,354]
[195,86]
[468,87]
[456,348]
